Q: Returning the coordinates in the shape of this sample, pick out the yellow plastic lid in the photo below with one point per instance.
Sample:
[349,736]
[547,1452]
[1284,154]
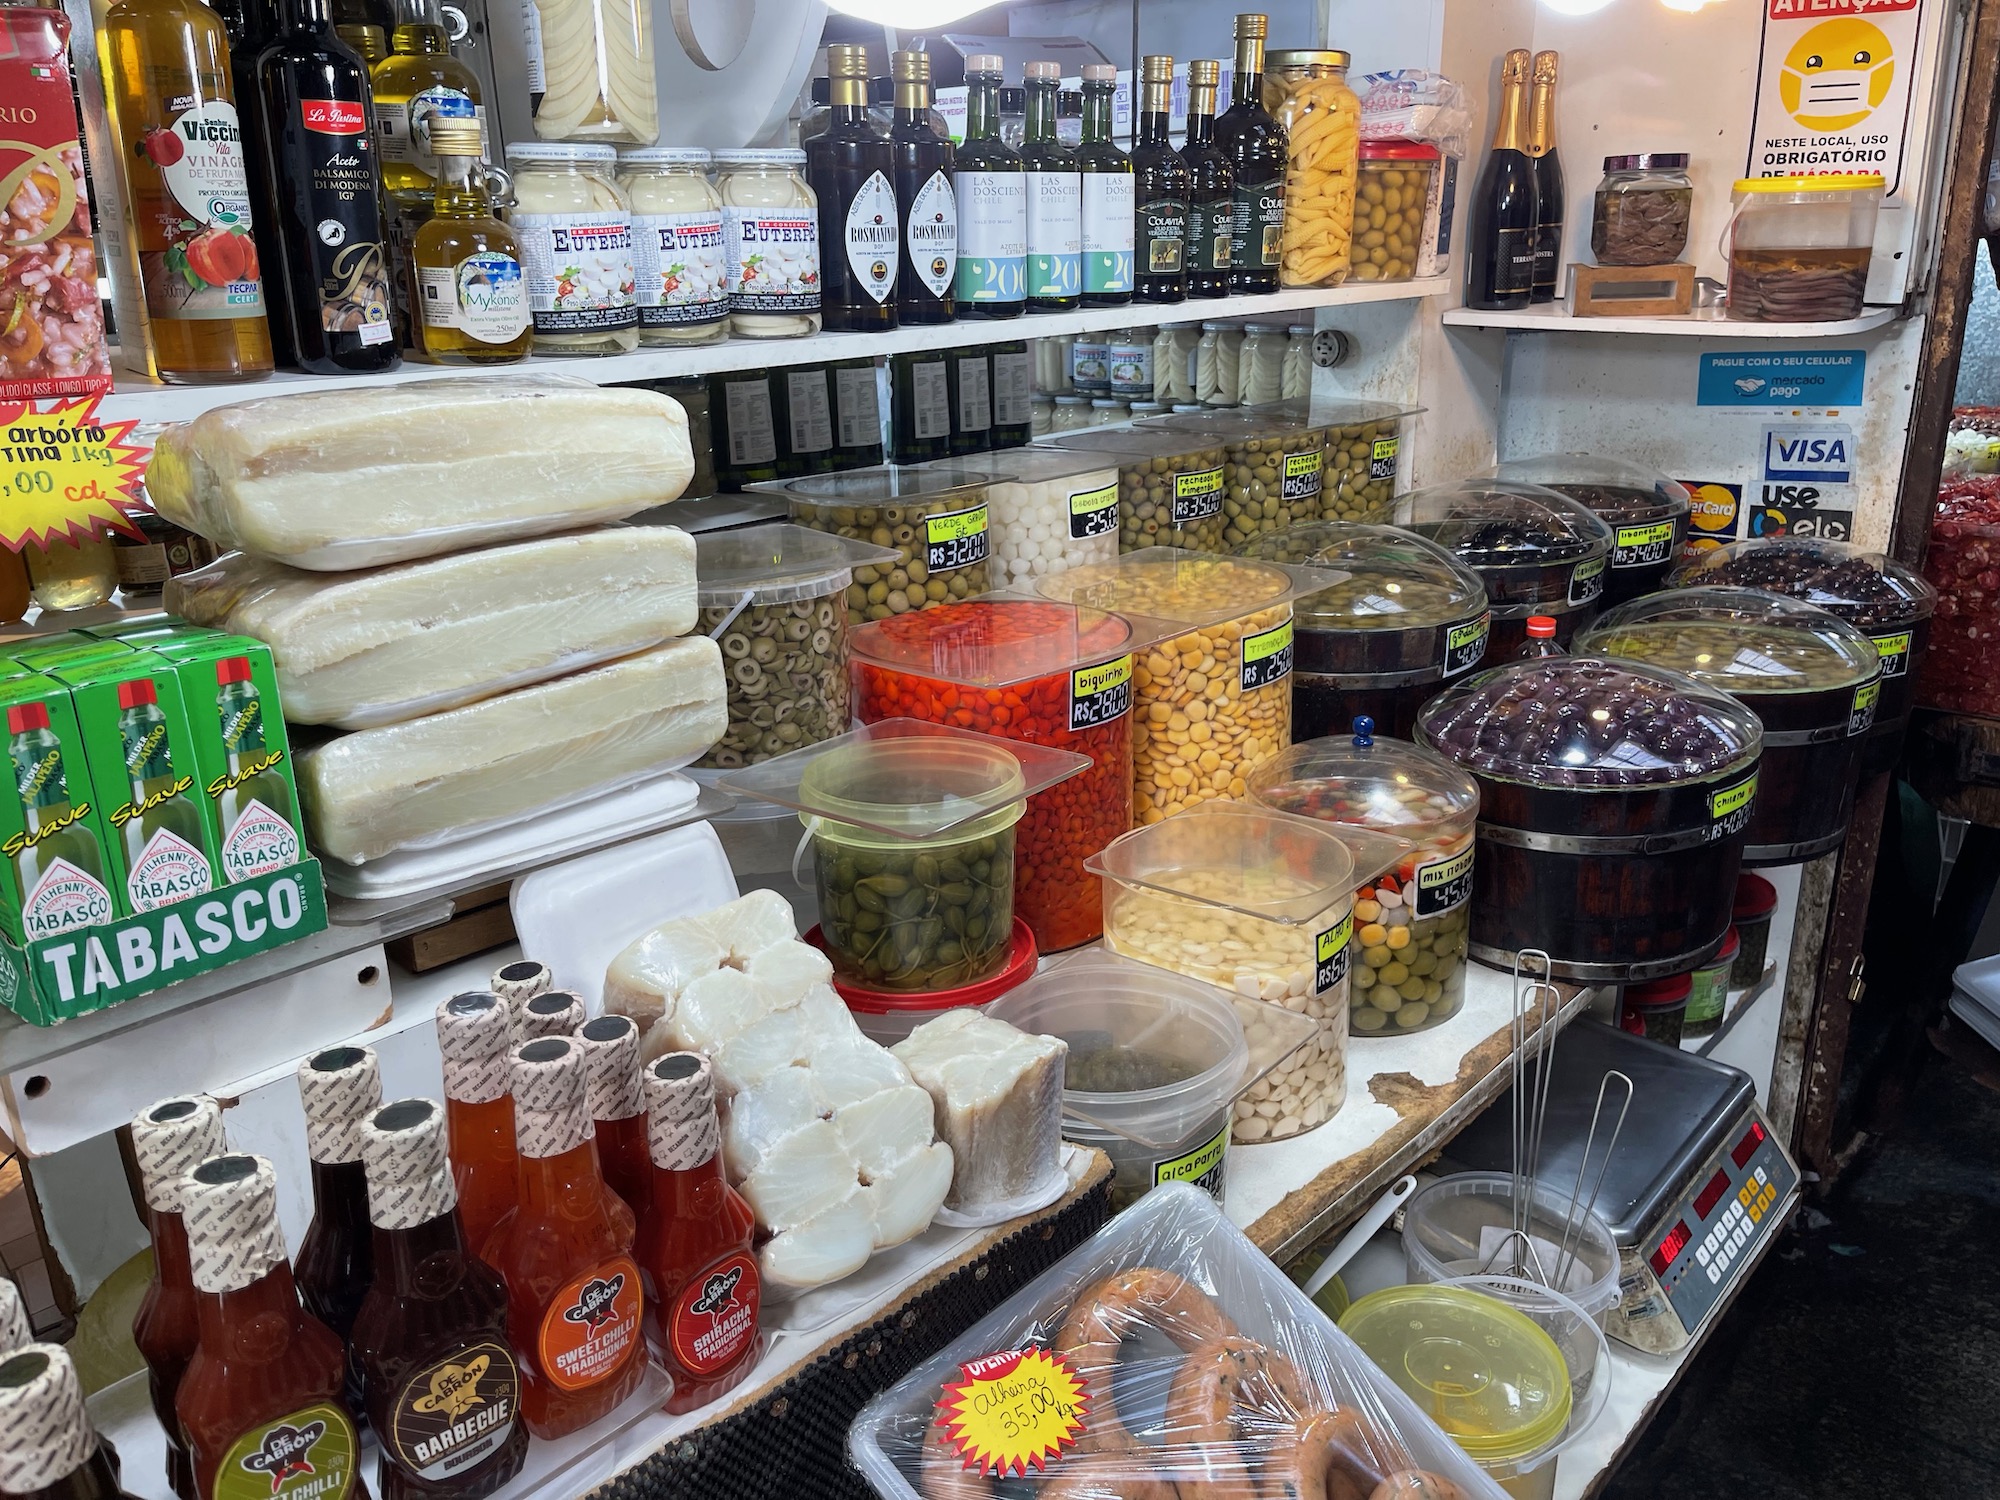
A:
[1834,182]
[1488,1375]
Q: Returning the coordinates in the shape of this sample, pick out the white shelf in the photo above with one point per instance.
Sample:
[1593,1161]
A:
[1557,319]
[142,399]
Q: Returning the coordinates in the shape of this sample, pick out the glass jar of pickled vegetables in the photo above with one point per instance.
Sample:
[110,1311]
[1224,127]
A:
[1389,211]
[1296,380]
[1218,365]
[770,220]
[1308,93]
[1262,363]
[679,252]
[1410,922]
[1069,414]
[575,227]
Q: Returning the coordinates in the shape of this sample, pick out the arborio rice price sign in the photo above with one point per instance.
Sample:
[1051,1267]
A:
[65,474]
[1834,81]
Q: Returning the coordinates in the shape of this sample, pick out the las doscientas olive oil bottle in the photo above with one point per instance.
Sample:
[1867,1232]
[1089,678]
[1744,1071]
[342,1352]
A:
[1105,177]
[1055,199]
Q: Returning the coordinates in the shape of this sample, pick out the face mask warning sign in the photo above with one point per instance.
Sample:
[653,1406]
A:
[1833,87]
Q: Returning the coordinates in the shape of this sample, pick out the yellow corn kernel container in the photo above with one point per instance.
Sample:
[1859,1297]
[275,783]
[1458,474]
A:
[1308,93]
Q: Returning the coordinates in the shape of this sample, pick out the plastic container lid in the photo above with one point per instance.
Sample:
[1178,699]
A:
[1864,588]
[1360,780]
[1623,493]
[1499,523]
[1399,151]
[995,640]
[1755,897]
[1022,960]
[1837,182]
[560,151]
[1395,580]
[1488,1375]
[1745,640]
[880,484]
[1234,424]
[1126,444]
[777,564]
[1182,588]
[1670,993]
[1035,463]
[1605,724]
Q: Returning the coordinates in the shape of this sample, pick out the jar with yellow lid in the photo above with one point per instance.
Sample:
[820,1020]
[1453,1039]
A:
[1799,247]
[1307,91]
[679,259]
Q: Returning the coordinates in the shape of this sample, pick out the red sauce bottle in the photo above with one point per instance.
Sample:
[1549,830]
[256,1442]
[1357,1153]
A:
[617,1106]
[264,1401]
[696,1243]
[472,1031]
[574,1306]
[551,1013]
[340,1088]
[169,1140]
[444,1390]
[48,1449]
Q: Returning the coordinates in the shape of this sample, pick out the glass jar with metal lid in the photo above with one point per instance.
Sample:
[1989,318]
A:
[1640,217]
[1295,380]
[770,222]
[1218,365]
[1068,414]
[1307,91]
[1647,513]
[575,228]
[593,63]
[1263,363]
[680,261]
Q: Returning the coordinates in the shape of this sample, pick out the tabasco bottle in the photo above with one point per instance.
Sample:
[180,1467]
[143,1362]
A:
[696,1244]
[252,793]
[169,1140]
[48,1449]
[444,1392]
[340,1088]
[58,863]
[551,1013]
[574,1306]
[617,1106]
[472,1031]
[263,1403]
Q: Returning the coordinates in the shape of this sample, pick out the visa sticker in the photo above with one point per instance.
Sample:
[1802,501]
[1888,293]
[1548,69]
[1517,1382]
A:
[1814,455]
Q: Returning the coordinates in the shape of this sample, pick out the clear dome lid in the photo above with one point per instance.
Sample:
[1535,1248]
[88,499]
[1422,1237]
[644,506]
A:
[1866,589]
[1622,492]
[881,483]
[1739,640]
[1497,523]
[1589,722]
[1358,779]
[1396,579]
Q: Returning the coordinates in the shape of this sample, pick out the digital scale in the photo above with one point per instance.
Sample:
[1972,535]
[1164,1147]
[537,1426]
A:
[1695,1187]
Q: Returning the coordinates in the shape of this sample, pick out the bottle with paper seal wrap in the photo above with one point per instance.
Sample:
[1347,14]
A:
[263,1402]
[574,1306]
[992,195]
[617,1106]
[551,1013]
[444,1388]
[851,170]
[926,199]
[1055,199]
[16,1331]
[520,981]
[169,1140]
[48,1448]
[340,1087]
[1106,193]
[474,1033]
[697,1240]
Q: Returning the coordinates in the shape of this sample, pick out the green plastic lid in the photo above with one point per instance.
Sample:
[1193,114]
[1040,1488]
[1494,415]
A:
[1486,1374]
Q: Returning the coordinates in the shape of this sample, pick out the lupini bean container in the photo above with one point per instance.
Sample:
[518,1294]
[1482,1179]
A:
[1260,904]
[1170,485]
[1047,509]
[1410,923]
[1647,513]
[1023,669]
[1406,616]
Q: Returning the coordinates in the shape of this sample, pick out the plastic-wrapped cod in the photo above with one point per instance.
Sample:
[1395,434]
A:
[998,1094]
[359,650]
[334,480]
[446,777]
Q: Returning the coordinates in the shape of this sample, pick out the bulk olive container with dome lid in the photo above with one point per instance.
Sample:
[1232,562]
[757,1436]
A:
[1170,485]
[1410,922]
[1407,616]
[1647,513]
[1536,551]
[1812,679]
[1886,601]
[1614,801]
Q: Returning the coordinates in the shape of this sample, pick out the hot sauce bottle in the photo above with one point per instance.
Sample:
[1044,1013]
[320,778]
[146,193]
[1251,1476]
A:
[551,1013]
[48,1449]
[519,982]
[617,1106]
[472,1031]
[16,1332]
[169,1140]
[264,1402]
[696,1244]
[340,1087]
[444,1392]
[573,1300]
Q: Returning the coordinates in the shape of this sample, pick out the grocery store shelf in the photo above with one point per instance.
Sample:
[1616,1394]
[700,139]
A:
[135,397]
[1557,319]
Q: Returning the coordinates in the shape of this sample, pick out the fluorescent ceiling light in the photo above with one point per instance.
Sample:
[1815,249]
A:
[908,15]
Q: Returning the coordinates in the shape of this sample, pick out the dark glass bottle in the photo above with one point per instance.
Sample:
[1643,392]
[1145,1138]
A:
[1161,183]
[969,376]
[804,418]
[1548,180]
[857,413]
[617,1103]
[849,169]
[1013,394]
[340,1088]
[1211,188]
[1055,200]
[926,198]
[51,1450]
[332,269]
[1255,144]
[444,1390]
[1106,182]
[743,416]
[992,196]
[1500,239]
[919,407]
[250,26]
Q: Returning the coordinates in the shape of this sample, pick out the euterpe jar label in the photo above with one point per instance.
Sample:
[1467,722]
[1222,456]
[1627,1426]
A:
[773,259]
[591,1325]
[456,1412]
[1100,694]
[680,269]
[579,270]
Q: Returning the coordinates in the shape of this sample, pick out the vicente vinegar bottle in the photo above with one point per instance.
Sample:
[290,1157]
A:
[848,167]
[1160,183]
[1548,180]
[1500,239]
[473,1038]
[1255,143]
[926,200]
[617,1106]
[48,1449]
[340,1088]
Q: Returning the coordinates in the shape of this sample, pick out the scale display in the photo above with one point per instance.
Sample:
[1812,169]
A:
[1702,1243]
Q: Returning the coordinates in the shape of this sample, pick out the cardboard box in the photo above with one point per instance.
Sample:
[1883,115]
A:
[72,647]
[55,877]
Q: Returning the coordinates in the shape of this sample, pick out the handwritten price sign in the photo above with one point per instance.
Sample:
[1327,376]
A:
[1015,1411]
[65,476]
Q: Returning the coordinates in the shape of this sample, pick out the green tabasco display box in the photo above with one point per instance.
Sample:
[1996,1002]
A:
[68,650]
[56,875]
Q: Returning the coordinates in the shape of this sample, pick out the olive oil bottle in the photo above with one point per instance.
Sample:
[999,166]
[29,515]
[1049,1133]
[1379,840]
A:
[1105,177]
[992,196]
[472,304]
[1255,144]
[1055,199]
[417,82]
[1160,183]
[1211,188]
[849,167]
[926,198]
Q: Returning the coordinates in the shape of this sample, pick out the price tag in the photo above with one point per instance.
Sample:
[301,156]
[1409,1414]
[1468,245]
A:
[1093,512]
[1382,458]
[1894,651]
[1267,657]
[1586,581]
[1330,949]
[1639,545]
[1012,1412]
[1465,645]
[1729,809]
[1099,694]
[1443,884]
[1861,718]
[956,539]
[65,476]
[1302,477]
[1197,496]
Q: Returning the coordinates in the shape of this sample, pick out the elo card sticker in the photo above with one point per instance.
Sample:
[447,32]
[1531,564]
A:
[1013,1412]
[1586,580]
[1894,651]
[1729,809]
[1093,512]
[1817,455]
[1465,644]
[1100,694]
[956,539]
[1330,951]
[1443,884]
[1861,718]
[1267,657]
[1197,496]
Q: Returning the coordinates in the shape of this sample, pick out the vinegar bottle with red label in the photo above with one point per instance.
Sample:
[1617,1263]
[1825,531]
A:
[617,1106]
[574,1306]
[472,1032]
[696,1241]
[340,1087]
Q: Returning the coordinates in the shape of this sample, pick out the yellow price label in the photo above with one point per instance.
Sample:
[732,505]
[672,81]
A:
[1014,1411]
[65,475]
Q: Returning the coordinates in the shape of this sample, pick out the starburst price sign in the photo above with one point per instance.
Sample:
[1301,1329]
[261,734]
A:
[1012,1412]
[65,474]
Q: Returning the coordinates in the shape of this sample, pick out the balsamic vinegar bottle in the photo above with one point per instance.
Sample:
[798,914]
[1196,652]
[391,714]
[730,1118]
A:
[849,166]
[1256,147]
[1211,235]
[1500,241]
[926,200]
[1105,179]
[1548,180]
[1160,186]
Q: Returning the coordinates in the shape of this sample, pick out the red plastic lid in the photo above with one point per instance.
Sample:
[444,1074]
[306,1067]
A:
[1730,943]
[1021,960]
[25,716]
[232,669]
[1399,151]
[1541,627]
[139,690]
[1660,994]
[1755,897]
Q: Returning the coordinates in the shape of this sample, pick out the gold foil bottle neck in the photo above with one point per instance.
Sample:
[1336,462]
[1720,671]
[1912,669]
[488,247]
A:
[1251,25]
[910,67]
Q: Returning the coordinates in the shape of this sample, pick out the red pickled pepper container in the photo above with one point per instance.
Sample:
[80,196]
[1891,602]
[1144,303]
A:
[696,1243]
[1023,669]
[472,1032]
[617,1106]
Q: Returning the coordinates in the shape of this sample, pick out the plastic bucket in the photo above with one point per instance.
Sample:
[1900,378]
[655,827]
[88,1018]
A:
[1458,1226]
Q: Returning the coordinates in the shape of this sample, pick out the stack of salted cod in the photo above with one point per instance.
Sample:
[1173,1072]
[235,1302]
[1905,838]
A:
[825,1134]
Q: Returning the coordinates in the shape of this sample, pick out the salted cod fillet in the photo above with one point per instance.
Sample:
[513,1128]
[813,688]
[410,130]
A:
[998,1095]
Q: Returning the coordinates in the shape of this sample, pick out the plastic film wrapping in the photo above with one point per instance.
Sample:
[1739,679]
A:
[445,778]
[473,1036]
[681,1130]
[359,650]
[998,1097]
[549,1113]
[1230,1383]
[169,1140]
[340,1088]
[612,1087]
[45,1432]
[231,1207]
[551,1013]
[403,1152]
[357,478]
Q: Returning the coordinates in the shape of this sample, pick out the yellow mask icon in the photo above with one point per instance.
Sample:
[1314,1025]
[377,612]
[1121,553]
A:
[1837,74]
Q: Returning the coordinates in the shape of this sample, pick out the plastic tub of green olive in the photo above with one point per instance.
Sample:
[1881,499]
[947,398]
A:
[937,524]
[773,598]
[1171,485]
[1290,462]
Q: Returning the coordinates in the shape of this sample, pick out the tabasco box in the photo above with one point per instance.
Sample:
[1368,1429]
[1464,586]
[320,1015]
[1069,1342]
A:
[139,744]
[55,877]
